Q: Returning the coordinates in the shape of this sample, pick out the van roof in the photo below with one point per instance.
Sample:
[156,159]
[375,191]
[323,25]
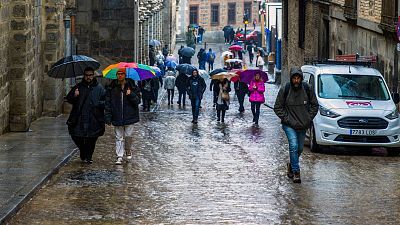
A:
[340,69]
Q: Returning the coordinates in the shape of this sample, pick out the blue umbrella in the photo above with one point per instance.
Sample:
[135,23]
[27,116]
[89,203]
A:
[157,70]
[171,64]
[154,42]
[72,66]
[185,68]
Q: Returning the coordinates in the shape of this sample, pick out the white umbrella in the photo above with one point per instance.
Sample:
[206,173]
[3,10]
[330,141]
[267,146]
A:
[226,53]
[234,60]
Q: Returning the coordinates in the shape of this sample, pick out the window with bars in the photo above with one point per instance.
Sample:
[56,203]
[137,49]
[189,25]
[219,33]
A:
[350,9]
[214,14]
[389,15]
[302,23]
[247,9]
[194,14]
[232,13]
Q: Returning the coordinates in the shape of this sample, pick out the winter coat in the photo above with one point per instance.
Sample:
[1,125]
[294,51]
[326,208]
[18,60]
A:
[196,87]
[152,57]
[241,88]
[122,109]
[147,90]
[169,82]
[210,57]
[299,108]
[87,115]
[182,82]
[186,59]
[257,94]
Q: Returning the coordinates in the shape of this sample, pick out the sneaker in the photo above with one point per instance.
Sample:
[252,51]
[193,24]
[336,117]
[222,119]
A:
[89,161]
[296,177]
[289,170]
[129,156]
[119,161]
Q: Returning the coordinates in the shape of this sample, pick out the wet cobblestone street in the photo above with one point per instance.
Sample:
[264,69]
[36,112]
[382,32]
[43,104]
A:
[214,173]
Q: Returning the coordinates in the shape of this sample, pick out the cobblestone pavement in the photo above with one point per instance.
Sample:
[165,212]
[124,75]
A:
[214,173]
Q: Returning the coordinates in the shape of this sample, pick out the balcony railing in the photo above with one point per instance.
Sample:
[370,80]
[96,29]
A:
[350,10]
[389,15]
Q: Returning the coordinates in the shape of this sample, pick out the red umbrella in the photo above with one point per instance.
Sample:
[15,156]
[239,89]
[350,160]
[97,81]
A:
[236,48]
[237,71]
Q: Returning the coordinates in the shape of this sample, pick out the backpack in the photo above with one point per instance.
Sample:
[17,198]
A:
[305,86]
[212,57]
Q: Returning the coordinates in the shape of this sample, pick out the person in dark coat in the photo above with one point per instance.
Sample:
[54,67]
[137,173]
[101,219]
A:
[165,51]
[231,35]
[223,101]
[182,82]
[86,120]
[186,59]
[296,109]
[147,87]
[241,89]
[202,57]
[226,31]
[214,87]
[152,55]
[195,90]
[122,111]
[180,55]
[157,83]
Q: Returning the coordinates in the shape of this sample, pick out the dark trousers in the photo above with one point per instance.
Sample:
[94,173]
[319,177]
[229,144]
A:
[196,102]
[210,66]
[255,109]
[241,101]
[146,104]
[221,113]
[170,96]
[226,39]
[251,57]
[86,146]
[182,97]
[155,95]
[202,65]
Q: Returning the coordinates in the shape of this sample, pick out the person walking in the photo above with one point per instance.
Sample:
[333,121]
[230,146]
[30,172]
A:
[210,59]
[147,87]
[180,59]
[157,83]
[200,32]
[165,51]
[169,85]
[296,105]
[241,90]
[254,23]
[250,50]
[202,56]
[260,60]
[181,83]
[214,87]
[86,120]
[195,90]
[223,99]
[152,55]
[256,89]
[122,111]
[231,35]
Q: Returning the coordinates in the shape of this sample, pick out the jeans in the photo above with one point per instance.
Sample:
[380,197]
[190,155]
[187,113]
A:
[219,112]
[121,135]
[296,144]
[255,109]
[251,57]
[202,65]
[195,108]
[182,97]
[86,146]
[170,96]
[210,66]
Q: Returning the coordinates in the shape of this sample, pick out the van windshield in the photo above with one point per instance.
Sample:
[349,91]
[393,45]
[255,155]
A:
[345,86]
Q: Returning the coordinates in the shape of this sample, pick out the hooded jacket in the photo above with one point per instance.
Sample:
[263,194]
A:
[297,110]
[257,95]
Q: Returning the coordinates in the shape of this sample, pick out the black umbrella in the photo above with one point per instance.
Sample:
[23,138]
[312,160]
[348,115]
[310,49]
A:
[217,71]
[186,68]
[187,51]
[72,66]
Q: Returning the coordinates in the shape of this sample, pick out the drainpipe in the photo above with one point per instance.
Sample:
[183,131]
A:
[68,48]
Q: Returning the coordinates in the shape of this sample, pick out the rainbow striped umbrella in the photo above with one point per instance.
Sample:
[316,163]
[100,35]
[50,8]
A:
[135,71]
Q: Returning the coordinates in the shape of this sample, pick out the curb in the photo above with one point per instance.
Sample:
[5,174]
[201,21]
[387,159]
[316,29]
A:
[36,187]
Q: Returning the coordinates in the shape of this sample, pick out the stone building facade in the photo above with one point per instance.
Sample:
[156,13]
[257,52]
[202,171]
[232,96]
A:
[33,37]
[327,28]
[213,15]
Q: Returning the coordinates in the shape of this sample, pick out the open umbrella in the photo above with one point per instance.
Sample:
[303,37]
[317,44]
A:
[134,71]
[72,66]
[154,42]
[187,51]
[171,58]
[186,68]
[157,71]
[236,48]
[224,75]
[217,71]
[226,53]
[248,75]
[171,64]
[234,60]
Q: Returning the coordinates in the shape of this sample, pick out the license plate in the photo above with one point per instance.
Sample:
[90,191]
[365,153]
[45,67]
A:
[363,132]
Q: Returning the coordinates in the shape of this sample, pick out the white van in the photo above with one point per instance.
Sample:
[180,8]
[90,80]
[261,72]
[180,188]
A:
[356,107]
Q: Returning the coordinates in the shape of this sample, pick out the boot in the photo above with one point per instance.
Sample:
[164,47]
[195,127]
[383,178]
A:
[289,170]
[296,177]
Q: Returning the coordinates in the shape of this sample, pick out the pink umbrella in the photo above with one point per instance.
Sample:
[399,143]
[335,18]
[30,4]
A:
[236,48]
[247,76]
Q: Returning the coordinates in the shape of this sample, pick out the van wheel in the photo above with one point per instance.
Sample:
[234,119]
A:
[314,147]
[393,151]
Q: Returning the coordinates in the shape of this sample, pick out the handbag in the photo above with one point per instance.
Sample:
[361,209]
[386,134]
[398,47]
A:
[225,96]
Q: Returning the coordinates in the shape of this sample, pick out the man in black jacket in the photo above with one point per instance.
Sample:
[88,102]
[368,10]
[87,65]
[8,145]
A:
[196,88]
[122,111]
[181,83]
[86,120]
[296,105]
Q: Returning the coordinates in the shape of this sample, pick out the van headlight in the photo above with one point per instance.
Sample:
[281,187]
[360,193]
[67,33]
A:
[328,113]
[393,115]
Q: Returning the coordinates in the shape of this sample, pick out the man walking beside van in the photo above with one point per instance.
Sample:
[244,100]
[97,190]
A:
[296,105]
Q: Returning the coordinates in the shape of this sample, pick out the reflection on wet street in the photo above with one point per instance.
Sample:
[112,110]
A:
[211,173]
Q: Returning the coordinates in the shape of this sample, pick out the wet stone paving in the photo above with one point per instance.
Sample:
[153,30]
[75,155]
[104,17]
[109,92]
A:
[214,173]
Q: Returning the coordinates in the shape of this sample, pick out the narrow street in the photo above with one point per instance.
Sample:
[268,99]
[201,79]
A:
[214,173]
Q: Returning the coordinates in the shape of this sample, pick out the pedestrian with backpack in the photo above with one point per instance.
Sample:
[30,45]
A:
[210,59]
[296,105]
